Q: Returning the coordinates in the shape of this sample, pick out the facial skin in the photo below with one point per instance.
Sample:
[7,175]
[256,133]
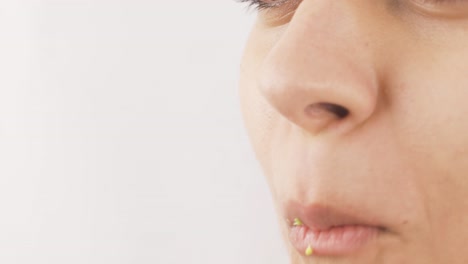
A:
[400,157]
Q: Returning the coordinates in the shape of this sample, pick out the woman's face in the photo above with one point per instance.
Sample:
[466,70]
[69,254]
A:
[358,113]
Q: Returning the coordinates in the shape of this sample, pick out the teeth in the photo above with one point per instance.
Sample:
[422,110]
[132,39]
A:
[309,251]
[297,222]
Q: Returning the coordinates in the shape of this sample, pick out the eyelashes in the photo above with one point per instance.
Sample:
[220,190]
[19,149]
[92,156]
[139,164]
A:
[268,4]
[264,4]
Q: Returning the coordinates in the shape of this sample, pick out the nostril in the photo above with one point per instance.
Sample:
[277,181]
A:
[319,108]
[338,110]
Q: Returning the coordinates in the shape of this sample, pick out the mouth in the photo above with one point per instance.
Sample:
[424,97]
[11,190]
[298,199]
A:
[325,231]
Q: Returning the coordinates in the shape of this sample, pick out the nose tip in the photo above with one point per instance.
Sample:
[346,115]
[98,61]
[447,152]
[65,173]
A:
[318,107]
[329,92]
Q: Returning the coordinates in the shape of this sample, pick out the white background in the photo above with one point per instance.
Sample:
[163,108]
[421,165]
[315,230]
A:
[121,139]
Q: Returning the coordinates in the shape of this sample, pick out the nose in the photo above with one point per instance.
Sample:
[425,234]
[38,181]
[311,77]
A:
[319,74]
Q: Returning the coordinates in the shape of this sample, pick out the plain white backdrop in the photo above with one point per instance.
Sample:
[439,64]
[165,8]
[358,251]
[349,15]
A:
[121,139]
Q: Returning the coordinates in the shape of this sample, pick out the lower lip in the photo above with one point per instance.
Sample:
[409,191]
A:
[334,241]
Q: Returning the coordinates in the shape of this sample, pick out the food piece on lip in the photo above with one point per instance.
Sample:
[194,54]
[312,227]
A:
[330,231]
[320,217]
[336,241]
[297,222]
[309,251]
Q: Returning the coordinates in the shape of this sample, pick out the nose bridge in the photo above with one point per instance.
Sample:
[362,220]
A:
[320,67]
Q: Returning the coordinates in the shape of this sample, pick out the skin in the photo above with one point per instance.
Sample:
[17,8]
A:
[400,68]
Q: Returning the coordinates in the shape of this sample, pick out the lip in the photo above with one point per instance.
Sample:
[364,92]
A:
[330,231]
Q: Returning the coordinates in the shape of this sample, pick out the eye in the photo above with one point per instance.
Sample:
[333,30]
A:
[274,13]
[264,4]
[442,8]
[441,2]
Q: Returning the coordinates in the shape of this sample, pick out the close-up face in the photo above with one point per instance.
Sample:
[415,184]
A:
[357,112]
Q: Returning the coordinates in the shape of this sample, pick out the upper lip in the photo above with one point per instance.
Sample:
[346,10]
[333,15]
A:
[320,217]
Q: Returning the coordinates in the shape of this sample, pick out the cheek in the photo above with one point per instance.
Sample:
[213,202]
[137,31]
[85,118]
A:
[429,112]
[429,109]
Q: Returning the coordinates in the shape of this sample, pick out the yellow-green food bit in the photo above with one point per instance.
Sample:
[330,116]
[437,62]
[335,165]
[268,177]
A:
[297,222]
[309,251]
